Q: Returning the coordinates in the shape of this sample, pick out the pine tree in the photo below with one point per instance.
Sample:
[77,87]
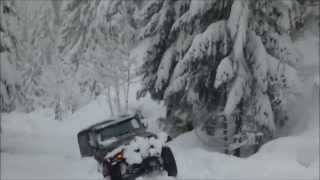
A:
[173,29]
[41,73]
[12,66]
[31,71]
[96,44]
[202,56]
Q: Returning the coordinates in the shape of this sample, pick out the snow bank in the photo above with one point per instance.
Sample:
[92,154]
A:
[21,166]
[35,146]
[283,158]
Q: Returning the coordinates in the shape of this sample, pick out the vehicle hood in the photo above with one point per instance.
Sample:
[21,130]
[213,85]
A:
[122,140]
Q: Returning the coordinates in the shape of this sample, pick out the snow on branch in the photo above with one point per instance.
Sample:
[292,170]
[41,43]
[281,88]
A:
[151,7]
[197,8]
[280,46]
[233,22]
[258,60]
[238,32]
[235,95]
[176,85]
[159,21]
[225,72]
[164,68]
[150,27]
[263,113]
[204,45]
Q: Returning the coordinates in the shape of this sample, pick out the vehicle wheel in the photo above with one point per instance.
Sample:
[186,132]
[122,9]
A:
[115,172]
[169,163]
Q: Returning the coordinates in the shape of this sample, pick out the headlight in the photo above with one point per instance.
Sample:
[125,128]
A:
[119,156]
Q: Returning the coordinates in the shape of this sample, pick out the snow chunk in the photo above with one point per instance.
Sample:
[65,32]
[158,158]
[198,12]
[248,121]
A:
[140,148]
[157,146]
[130,151]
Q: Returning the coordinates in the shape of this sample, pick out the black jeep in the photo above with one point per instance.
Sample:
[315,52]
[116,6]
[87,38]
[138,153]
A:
[110,143]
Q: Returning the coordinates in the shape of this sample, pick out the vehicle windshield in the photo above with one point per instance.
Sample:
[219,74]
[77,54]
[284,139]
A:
[120,129]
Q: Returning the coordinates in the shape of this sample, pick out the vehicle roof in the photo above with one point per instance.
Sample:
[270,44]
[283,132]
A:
[110,122]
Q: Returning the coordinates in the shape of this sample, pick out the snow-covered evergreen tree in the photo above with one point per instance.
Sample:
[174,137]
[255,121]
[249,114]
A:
[41,55]
[11,52]
[65,53]
[40,74]
[263,61]
[203,57]
[31,70]
[169,31]
[96,38]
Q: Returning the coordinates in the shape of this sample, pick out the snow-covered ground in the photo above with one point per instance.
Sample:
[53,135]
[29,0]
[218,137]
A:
[35,146]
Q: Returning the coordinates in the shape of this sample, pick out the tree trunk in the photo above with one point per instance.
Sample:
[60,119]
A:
[110,101]
[238,122]
[118,103]
[127,93]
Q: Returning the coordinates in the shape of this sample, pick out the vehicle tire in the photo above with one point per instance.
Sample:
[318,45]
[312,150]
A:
[169,163]
[115,172]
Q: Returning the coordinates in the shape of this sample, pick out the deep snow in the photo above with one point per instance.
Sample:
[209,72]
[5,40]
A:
[35,146]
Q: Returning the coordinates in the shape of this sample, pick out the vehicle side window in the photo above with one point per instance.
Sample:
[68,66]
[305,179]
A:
[91,140]
[135,124]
